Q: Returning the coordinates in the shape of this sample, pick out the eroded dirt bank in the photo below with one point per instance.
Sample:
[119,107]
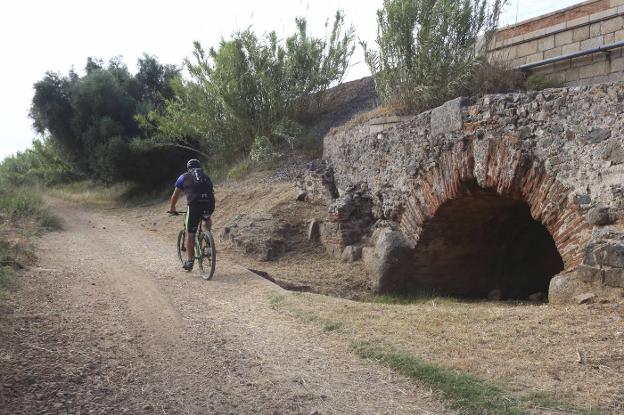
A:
[108,324]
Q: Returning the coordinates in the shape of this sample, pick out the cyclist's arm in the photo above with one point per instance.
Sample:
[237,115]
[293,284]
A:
[174,198]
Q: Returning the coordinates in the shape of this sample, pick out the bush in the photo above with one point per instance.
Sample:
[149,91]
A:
[240,169]
[430,51]
[537,81]
[250,91]
[91,118]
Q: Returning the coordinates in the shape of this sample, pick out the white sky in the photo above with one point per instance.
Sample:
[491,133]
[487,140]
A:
[53,35]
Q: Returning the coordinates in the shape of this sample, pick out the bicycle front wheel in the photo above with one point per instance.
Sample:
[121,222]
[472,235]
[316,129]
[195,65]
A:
[207,255]
[181,246]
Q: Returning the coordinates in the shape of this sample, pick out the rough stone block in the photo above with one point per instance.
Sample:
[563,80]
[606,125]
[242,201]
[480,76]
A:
[585,298]
[583,20]
[546,43]
[447,117]
[564,287]
[314,230]
[593,70]
[603,14]
[572,75]
[351,253]
[536,57]
[563,38]
[598,134]
[594,42]
[614,152]
[580,34]
[611,25]
[553,52]
[527,48]
[571,48]
[614,277]
[594,30]
[518,62]
[615,3]
[599,216]
[619,35]
[589,274]
[609,38]
[617,65]
[609,254]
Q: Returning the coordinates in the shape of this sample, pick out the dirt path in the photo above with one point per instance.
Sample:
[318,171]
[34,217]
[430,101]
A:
[109,324]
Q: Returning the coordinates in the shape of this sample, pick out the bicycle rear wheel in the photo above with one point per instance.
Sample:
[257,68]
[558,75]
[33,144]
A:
[207,257]
[181,246]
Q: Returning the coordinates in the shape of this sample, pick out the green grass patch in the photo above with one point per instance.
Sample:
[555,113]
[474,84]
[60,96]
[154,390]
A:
[276,299]
[7,279]
[332,325]
[466,393]
[240,170]
[19,203]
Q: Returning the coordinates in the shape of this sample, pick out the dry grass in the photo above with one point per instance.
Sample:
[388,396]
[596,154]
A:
[533,350]
[89,194]
[530,349]
[381,111]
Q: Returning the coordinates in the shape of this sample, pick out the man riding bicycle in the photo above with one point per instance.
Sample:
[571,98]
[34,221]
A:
[197,187]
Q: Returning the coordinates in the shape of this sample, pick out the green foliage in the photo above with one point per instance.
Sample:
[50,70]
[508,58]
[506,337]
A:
[240,169]
[464,392]
[250,91]
[262,150]
[39,164]
[429,50]
[91,119]
[537,81]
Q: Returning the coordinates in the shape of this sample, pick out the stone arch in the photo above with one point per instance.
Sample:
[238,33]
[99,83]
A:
[504,169]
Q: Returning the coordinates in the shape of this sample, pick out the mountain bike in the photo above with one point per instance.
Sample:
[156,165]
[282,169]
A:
[205,251]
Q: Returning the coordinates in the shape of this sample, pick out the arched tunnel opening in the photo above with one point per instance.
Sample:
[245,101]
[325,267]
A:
[480,242]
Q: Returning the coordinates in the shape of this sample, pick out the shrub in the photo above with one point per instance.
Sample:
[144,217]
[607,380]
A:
[539,81]
[430,51]
[250,91]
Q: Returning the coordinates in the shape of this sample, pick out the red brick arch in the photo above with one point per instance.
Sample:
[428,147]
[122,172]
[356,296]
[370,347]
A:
[504,167]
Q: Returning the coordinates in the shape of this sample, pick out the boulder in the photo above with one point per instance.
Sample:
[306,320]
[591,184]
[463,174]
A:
[387,258]
[585,298]
[314,230]
[261,236]
[351,253]
[599,216]
[565,287]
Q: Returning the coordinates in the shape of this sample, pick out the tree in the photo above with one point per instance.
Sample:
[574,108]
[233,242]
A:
[429,50]
[251,87]
[92,118]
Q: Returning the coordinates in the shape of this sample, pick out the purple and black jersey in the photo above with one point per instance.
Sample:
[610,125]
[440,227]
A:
[198,189]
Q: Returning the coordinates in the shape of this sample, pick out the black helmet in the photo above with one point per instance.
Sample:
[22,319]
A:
[193,164]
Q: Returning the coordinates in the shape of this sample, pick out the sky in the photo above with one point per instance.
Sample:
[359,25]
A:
[37,36]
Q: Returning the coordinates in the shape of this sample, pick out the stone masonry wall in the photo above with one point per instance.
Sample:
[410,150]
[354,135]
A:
[580,27]
[561,151]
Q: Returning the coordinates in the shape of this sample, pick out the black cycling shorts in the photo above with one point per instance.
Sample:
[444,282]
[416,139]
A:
[195,213]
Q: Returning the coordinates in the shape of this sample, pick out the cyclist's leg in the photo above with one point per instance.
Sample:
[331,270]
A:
[207,220]
[192,221]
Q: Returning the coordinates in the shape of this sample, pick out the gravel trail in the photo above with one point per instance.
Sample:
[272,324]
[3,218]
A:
[108,323]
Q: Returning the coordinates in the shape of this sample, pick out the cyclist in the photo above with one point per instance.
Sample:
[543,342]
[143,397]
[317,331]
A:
[197,187]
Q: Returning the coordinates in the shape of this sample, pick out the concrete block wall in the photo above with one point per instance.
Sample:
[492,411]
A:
[579,27]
